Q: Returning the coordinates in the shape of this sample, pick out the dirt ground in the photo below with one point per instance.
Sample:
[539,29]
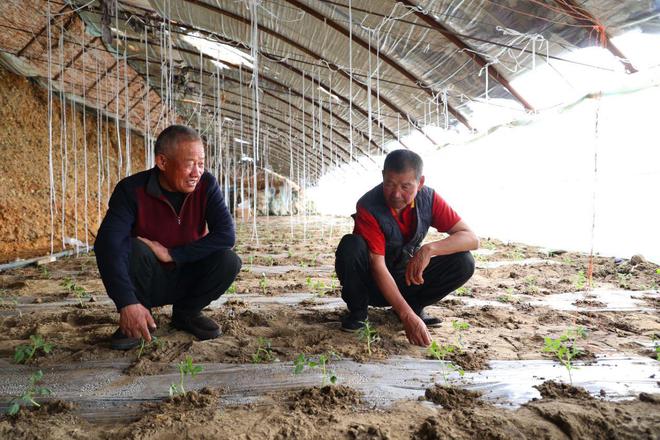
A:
[286,300]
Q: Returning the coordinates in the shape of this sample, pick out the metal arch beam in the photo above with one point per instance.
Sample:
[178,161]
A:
[270,32]
[38,34]
[130,83]
[391,62]
[572,8]
[492,71]
[75,58]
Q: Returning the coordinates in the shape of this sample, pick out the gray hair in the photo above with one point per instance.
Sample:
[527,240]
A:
[169,138]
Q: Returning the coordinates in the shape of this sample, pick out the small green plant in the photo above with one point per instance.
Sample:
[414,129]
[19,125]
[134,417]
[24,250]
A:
[264,353]
[232,289]
[270,260]
[302,263]
[564,347]
[321,362]
[186,368]
[309,282]
[517,254]
[488,245]
[531,285]
[441,352]
[24,353]
[155,344]
[250,259]
[463,291]
[368,334]
[460,327]
[78,291]
[27,398]
[507,298]
[567,260]
[623,280]
[263,283]
[45,272]
[657,271]
[581,281]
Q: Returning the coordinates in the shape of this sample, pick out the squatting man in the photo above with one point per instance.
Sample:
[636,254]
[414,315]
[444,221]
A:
[167,238]
[382,263]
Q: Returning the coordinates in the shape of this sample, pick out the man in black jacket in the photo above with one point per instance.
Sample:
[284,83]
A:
[167,239]
[382,263]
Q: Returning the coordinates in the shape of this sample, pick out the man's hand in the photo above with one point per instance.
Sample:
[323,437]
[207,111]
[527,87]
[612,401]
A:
[160,251]
[416,330]
[135,320]
[416,265]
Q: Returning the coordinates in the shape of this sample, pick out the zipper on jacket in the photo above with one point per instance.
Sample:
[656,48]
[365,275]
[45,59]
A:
[178,218]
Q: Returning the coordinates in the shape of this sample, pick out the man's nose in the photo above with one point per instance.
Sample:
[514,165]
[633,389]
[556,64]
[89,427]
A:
[196,171]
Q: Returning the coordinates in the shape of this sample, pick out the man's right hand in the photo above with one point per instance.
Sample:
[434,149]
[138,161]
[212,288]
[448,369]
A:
[135,320]
[416,330]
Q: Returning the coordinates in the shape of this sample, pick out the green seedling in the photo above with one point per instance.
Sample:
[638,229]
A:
[441,352]
[624,280]
[531,284]
[78,291]
[567,260]
[27,398]
[250,259]
[45,272]
[460,327]
[270,260]
[368,334]
[289,254]
[302,263]
[517,254]
[263,283]
[186,368]
[463,291]
[155,344]
[507,298]
[581,281]
[302,361]
[488,245]
[480,257]
[24,353]
[264,353]
[657,271]
[565,349]
[309,282]
[232,289]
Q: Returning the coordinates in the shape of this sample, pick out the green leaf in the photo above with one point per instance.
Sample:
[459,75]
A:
[333,379]
[13,409]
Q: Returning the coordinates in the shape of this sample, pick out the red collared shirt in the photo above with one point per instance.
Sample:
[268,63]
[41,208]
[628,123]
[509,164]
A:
[444,218]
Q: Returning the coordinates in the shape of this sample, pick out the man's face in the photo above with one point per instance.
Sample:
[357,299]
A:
[183,167]
[400,189]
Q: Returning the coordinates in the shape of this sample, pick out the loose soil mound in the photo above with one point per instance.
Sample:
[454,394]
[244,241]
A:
[559,390]
[451,397]
[317,400]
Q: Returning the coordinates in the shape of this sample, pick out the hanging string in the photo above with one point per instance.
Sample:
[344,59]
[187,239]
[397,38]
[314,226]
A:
[127,119]
[51,196]
[350,81]
[290,185]
[147,119]
[590,268]
[120,159]
[74,134]
[63,141]
[84,119]
[256,110]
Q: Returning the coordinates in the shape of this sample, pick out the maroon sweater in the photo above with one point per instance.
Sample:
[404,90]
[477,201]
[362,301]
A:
[138,207]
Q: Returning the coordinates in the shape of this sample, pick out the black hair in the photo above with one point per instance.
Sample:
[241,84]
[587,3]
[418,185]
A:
[401,161]
[172,135]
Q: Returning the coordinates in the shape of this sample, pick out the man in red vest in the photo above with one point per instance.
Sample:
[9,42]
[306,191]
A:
[382,263]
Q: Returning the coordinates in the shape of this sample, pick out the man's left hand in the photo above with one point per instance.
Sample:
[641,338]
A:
[160,251]
[416,266]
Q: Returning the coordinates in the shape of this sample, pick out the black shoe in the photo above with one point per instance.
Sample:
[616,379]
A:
[197,324]
[119,341]
[430,321]
[351,324]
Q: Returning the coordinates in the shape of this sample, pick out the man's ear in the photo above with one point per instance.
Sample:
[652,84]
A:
[421,183]
[161,161]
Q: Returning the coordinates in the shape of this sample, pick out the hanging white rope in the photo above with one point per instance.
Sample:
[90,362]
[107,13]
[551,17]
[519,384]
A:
[63,141]
[256,110]
[350,81]
[84,121]
[51,196]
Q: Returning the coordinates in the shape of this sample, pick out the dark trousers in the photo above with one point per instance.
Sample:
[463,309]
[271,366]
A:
[188,288]
[443,275]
